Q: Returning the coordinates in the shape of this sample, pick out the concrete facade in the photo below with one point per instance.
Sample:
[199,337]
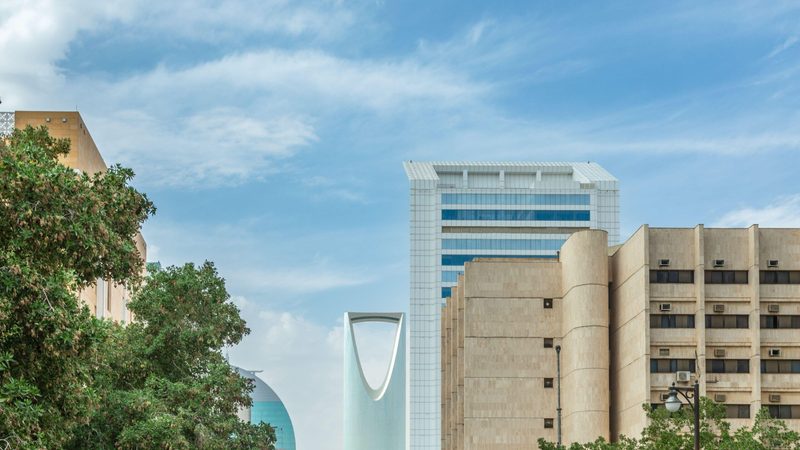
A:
[499,363]
[460,211]
[105,298]
[638,302]
[623,324]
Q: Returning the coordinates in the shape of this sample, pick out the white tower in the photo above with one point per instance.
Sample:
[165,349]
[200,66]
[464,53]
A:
[374,418]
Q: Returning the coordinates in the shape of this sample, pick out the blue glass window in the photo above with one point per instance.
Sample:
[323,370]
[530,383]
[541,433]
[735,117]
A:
[446,291]
[450,277]
[516,199]
[459,260]
[502,244]
[514,214]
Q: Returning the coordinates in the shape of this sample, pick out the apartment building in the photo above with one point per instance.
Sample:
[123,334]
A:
[105,298]
[721,306]
[460,211]
[718,305]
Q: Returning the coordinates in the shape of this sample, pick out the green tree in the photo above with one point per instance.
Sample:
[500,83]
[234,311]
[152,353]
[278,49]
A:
[667,430]
[60,230]
[166,383]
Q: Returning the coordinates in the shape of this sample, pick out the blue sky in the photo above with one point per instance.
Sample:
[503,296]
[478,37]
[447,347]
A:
[271,133]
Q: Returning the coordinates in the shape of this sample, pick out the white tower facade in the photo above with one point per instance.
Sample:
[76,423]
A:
[374,418]
[463,210]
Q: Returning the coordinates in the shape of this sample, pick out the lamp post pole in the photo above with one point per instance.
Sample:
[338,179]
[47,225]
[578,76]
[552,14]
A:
[696,408]
[558,404]
[673,404]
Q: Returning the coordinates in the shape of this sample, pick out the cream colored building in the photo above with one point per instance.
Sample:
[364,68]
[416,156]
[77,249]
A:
[105,298]
[718,305]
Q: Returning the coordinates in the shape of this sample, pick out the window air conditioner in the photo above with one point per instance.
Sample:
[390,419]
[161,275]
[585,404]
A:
[719,352]
[663,263]
[772,263]
[683,376]
[719,308]
[719,263]
[663,352]
[774,352]
[665,307]
[774,398]
[774,308]
[720,398]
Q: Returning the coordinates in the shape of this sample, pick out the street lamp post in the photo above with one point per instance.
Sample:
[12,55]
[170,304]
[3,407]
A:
[692,396]
[558,405]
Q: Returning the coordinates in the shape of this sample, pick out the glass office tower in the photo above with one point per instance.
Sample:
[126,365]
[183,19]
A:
[268,408]
[462,210]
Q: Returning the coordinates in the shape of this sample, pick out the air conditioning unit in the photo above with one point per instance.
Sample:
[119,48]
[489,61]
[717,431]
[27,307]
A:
[772,263]
[718,308]
[683,376]
[720,398]
[663,263]
[665,307]
[774,352]
[774,398]
[774,308]
[663,352]
[719,263]
[664,396]
[719,352]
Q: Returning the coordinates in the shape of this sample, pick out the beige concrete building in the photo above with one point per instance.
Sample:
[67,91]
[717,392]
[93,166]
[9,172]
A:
[670,305]
[499,363]
[105,299]
[720,304]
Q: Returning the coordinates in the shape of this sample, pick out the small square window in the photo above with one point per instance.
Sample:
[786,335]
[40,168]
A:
[548,303]
[548,342]
[548,423]
[548,383]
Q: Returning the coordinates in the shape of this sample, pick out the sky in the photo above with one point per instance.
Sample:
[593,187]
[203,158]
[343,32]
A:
[270,133]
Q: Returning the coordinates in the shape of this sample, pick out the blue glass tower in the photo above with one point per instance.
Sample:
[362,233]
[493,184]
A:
[268,408]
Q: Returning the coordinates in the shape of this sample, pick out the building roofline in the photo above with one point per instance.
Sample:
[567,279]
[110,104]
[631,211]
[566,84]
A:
[584,171]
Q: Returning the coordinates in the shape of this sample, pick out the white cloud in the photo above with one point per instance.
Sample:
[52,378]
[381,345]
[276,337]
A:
[35,35]
[229,120]
[302,361]
[784,213]
[210,148]
[210,20]
[306,280]
[375,345]
[785,45]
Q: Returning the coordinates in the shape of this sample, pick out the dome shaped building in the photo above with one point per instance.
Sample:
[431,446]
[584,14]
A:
[268,408]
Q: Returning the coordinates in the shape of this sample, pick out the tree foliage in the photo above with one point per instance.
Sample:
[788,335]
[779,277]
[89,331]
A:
[166,383]
[59,231]
[675,431]
[69,380]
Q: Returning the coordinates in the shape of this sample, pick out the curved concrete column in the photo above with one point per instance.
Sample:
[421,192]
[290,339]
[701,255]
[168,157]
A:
[374,418]
[585,351]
